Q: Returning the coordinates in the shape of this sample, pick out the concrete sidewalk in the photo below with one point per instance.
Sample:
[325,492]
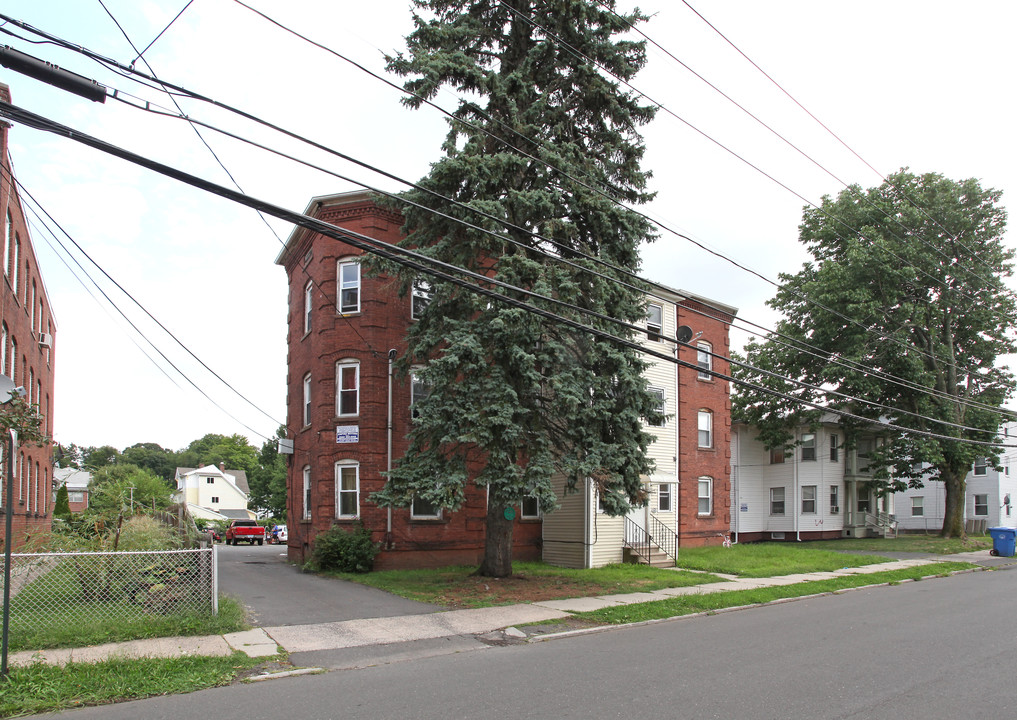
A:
[268,641]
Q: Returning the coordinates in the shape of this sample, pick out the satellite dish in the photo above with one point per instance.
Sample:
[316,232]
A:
[684,333]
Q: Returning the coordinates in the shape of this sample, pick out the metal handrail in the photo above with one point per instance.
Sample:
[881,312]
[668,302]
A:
[664,537]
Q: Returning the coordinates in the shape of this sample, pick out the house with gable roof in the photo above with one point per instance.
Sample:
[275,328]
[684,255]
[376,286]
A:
[214,493]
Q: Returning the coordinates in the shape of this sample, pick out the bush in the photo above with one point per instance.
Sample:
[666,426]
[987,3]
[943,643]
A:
[341,550]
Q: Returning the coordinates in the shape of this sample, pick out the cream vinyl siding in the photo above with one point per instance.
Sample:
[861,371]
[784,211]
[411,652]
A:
[565,524]
[607,535]
[662,375]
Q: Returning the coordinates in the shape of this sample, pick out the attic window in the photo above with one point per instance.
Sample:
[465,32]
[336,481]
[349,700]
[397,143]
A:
[210,481]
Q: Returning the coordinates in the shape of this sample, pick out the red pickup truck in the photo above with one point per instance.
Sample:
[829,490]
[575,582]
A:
[245,531]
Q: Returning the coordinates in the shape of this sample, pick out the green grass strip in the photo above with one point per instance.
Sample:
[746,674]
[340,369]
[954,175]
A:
[759,560]
[66,627]
[39,688]
[691,604]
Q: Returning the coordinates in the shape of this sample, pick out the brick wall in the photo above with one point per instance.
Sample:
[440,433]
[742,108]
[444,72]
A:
[365,337]
[25,312]
[713,395]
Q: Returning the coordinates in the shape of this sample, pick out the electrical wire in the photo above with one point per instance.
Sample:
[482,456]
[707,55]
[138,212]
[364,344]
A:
[138,330]
[389,253]
[858,323]
[834,135]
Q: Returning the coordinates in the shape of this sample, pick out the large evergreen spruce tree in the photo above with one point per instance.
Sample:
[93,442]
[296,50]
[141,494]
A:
[544,139]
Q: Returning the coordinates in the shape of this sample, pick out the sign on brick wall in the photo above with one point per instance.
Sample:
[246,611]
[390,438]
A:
[347,433]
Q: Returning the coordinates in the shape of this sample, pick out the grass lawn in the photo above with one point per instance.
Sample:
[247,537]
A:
[457,587]
[770,559]
[690,604]
[64,628]
[42,688]
[908,543]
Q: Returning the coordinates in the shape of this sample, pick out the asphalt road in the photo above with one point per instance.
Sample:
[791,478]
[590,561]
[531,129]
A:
[936,649]
[276,593]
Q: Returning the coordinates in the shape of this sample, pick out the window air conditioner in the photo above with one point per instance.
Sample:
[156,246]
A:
[45,340]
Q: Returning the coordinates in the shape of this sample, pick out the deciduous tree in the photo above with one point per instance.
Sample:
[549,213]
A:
[904,299]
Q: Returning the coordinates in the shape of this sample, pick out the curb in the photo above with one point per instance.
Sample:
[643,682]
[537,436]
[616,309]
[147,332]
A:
[735,608]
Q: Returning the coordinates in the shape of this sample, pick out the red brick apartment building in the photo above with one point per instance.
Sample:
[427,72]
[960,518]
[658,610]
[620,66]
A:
[342,326]
[26,350]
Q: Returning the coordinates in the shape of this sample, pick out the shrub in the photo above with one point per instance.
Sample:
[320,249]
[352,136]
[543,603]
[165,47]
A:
[344,550]
[62,508]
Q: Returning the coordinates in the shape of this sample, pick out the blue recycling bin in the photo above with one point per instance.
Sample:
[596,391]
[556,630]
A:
[1004,540]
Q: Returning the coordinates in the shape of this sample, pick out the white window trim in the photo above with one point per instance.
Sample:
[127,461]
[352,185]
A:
[661,394]
[339,366]
[420,290]
[708,416]
[783,501]
[664,490]
[339,492]
[340,286]
[814,500]
[655,331]
[975,504]
[704,361]
[414,515]
[811,446]
[305,409]
[709,495]
[308,306]
[919,505]
[307,492]
[522,512]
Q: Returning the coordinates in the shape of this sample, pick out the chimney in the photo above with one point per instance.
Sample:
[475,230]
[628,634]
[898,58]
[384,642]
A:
[222,468]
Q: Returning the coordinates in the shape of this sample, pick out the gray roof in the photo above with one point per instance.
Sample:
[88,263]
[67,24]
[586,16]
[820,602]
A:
[239,475]
[234,514]
[72,477]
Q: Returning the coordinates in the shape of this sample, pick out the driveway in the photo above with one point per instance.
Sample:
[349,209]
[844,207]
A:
[276,593]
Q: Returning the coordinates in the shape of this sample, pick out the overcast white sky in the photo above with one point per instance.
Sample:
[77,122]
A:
[926,83]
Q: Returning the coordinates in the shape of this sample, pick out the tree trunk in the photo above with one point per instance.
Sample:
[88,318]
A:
[497,544]
[953,514]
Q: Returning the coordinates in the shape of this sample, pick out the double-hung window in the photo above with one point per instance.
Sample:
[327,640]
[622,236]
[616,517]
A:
[349,286]
[308,304]
[834,499]
[917,506]
[307,400]
[421,509]
[660,406]
[808,446]
[808,499]
[654,322]
[418,391]
[529,508]
[705,496]
[307,492]
[981,505]
[980,466]
[777,501]
[704,360]
[664,497]
[705,429]
[420,297]
[347,384]
[347,489]
[834,449]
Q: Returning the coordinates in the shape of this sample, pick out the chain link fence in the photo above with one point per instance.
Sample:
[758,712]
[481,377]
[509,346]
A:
[80,589]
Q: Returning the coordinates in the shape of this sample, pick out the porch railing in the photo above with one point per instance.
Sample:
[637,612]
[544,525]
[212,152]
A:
[664,537]
[643,542]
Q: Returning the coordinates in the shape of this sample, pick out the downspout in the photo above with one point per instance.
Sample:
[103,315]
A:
[798,501]
[587,540]
[737,509]
[388,429]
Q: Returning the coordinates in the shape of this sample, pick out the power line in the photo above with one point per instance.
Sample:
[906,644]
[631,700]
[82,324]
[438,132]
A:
[832,133]
[504,238]
[23,189]
[389,252]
